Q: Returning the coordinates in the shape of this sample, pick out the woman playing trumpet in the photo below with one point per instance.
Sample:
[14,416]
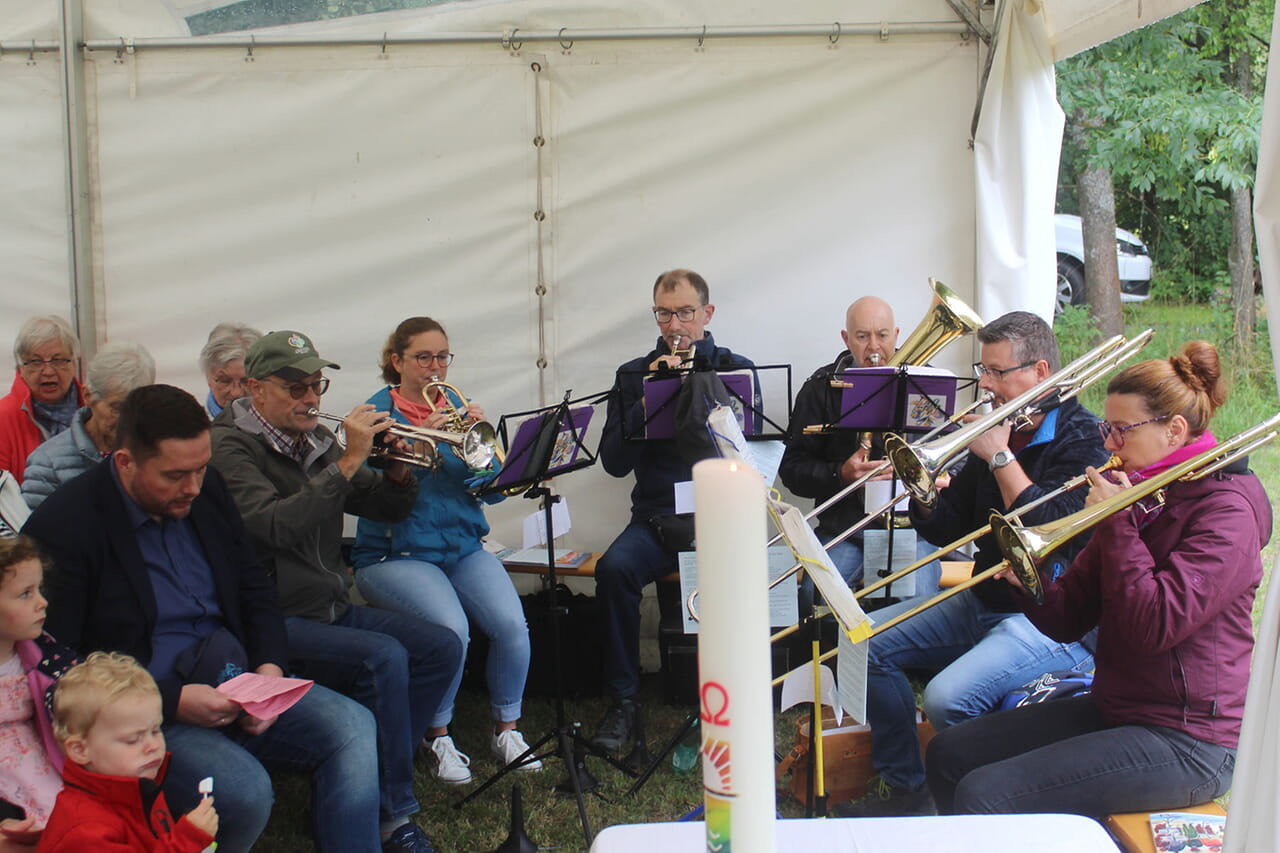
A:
[432,565]
[1170,588]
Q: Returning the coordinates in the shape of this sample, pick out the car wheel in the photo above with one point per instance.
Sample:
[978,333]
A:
[1070,283]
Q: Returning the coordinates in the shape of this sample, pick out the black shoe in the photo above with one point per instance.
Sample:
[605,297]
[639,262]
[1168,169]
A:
[884,800]
[618,726]
[408,838]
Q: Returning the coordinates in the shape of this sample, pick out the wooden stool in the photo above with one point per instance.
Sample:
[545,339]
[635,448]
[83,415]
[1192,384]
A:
[1132,830]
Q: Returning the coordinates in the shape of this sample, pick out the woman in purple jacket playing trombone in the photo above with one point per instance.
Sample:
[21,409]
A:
[1170,587]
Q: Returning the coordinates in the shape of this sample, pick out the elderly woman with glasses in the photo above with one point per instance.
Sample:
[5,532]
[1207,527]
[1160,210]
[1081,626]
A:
[116,370]
[1170,587]
[222,363]
[45,395]
[433,564]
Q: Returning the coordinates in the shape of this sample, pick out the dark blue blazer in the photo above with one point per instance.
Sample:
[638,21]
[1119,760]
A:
[100,595]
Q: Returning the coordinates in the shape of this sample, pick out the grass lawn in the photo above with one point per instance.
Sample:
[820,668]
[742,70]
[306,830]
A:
[552,820]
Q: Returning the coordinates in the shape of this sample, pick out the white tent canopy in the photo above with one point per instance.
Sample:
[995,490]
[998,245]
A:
[338,176]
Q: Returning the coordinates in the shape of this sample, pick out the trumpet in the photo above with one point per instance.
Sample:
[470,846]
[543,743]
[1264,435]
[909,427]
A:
[684,353]
[918,465]
[477,445]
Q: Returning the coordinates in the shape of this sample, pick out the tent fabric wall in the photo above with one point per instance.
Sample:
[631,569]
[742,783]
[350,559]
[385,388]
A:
[33,219]
[338,190]
[1016,160]
[1253,821]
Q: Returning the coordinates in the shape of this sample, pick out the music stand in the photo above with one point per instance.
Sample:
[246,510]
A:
[549,443]
[746,397]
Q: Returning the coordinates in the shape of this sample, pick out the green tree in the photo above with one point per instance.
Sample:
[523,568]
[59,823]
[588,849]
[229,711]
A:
[1162,111]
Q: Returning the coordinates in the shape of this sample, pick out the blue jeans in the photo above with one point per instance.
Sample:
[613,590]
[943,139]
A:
[396,666]
[634,560]
[848,559]
[325,735]
[1059,756]
[476,586]
[954,633]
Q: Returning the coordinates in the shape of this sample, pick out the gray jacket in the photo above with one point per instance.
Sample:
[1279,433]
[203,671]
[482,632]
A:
[294,512]
[60,460]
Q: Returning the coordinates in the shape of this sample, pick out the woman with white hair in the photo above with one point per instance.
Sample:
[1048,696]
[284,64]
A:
[116,370]
[222,363]
[45,394]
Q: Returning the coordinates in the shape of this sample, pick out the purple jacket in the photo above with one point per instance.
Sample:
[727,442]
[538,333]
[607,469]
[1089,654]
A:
[1171,594]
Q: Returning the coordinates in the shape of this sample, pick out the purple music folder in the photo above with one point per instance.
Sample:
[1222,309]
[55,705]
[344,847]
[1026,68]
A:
[871,397]
[564,452]
[660,404]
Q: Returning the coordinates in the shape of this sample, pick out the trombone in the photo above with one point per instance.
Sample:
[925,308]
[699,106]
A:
[1070,485]
[918,465]
[1025,548]
[477,445]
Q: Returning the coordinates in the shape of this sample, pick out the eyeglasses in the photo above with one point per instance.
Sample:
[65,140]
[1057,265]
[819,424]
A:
[425,359]
[980,370]
[41,363]
[228,382]
[1116,433]
[662,315]
[298,390]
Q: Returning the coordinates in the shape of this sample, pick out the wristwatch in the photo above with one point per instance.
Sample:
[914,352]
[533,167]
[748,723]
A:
[1000,458]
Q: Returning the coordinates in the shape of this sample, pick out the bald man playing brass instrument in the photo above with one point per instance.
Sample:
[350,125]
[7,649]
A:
[818,466]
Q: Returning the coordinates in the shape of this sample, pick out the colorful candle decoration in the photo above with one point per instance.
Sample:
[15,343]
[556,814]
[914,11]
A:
[733,657]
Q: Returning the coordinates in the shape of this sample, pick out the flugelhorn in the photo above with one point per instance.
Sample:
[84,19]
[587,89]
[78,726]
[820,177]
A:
[1025,548]
[948,318]
[477,445]
[918,465]
[455,404]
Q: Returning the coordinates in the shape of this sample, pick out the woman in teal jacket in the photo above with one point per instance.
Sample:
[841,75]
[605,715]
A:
[433,565]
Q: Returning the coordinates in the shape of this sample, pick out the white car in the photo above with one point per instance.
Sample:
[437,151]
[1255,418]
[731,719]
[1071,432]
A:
[1131,256]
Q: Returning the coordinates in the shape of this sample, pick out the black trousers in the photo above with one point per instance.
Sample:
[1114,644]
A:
[1059,756]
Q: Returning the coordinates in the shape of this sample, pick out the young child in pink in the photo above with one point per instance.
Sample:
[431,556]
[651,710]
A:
[30,663]
[107,716]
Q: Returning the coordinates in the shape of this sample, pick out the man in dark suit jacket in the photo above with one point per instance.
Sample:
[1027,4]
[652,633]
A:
[150,557]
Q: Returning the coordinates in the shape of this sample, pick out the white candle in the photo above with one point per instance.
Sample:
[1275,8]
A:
[733,657]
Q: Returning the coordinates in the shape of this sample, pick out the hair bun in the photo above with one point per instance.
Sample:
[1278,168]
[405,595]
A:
[1200,370]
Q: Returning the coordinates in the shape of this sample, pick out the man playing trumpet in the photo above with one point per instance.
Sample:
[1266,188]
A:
[646,550]
[978,642]
[292,481]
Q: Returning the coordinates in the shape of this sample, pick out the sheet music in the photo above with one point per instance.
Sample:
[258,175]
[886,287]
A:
[875,551]
[783,607]
[817,563]
[797,687]
[764,456]
[851,676]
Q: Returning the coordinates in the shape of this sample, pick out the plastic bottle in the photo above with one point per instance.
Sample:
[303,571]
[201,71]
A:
[684,759]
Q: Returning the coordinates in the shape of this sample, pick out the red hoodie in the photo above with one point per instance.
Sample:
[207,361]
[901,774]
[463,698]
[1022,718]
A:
[117,814]
[1171,592]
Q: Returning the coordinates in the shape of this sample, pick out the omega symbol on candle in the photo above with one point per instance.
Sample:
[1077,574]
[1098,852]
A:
[715,704]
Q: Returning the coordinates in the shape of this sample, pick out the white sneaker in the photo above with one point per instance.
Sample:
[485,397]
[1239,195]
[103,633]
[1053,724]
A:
[447,763]
[508,746]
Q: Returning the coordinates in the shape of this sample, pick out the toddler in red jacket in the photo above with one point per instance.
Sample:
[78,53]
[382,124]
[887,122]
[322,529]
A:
[107,717]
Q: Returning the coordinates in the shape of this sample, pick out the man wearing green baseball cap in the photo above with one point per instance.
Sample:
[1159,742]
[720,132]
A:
[292,481]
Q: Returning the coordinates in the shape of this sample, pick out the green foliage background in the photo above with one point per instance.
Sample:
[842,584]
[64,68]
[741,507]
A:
[1162,109]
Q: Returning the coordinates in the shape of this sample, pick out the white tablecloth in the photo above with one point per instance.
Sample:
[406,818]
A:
[1047,833]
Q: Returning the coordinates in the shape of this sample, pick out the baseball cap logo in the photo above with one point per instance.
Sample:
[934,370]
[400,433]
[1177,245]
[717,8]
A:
[298,342]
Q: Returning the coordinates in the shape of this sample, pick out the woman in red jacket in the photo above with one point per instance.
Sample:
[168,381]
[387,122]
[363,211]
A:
[1170,588]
